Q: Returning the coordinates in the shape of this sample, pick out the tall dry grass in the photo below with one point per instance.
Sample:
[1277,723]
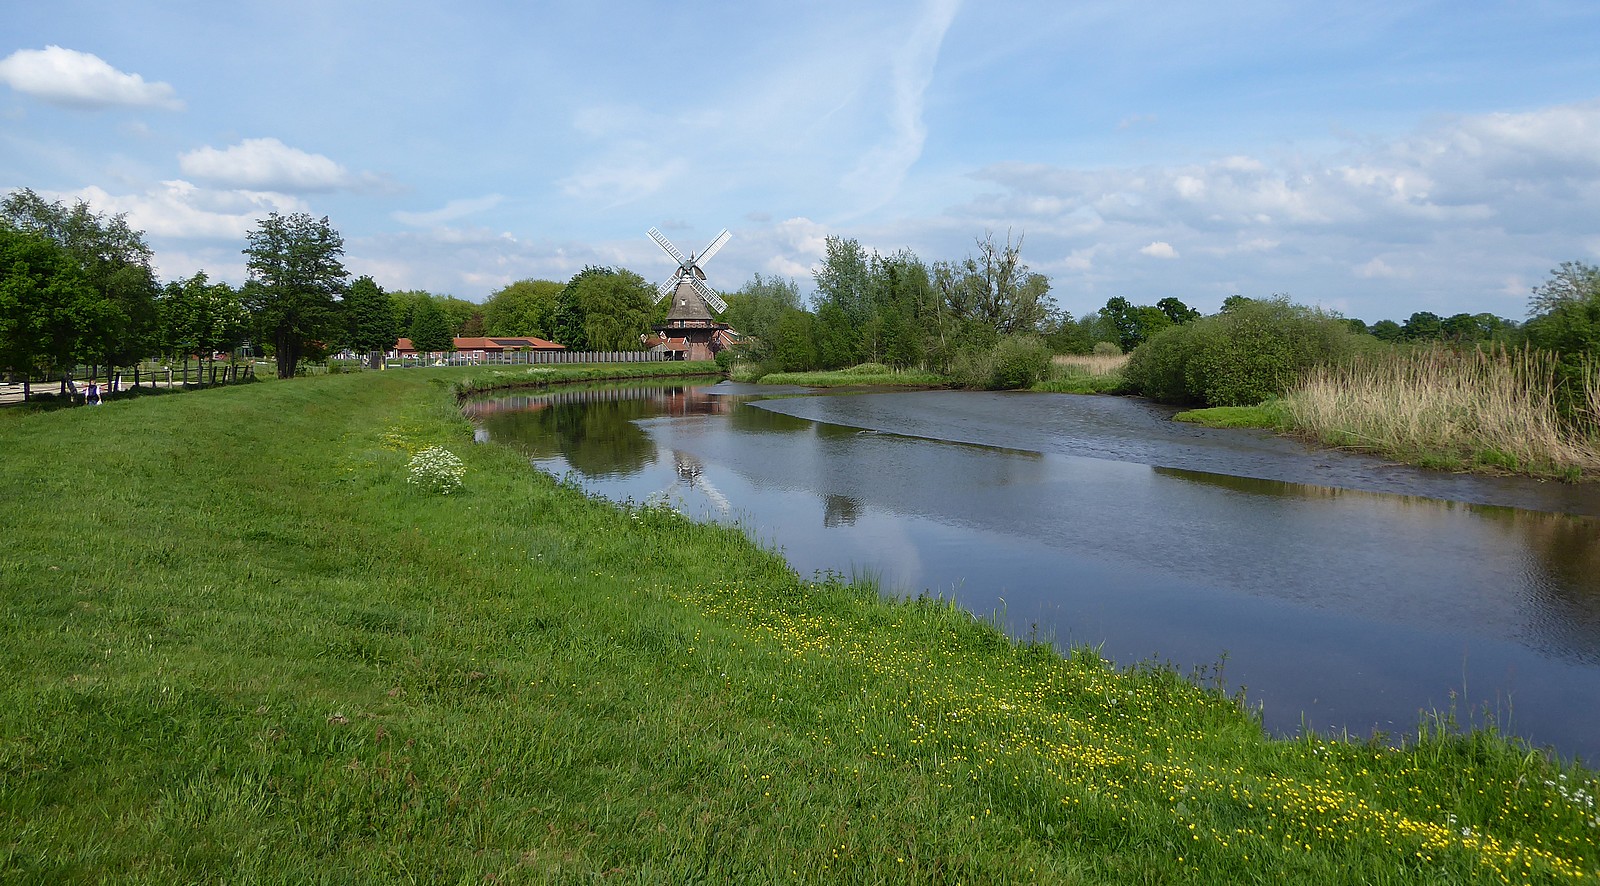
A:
[1447,408]
[1091,364]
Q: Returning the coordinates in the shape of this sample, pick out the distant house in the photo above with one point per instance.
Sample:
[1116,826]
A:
[683,347]
[481,347]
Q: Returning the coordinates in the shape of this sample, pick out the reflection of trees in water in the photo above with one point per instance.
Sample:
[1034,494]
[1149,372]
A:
[1568,558]
[755,420]
[592,426]
[1564,553]
[839,510]
[596,440]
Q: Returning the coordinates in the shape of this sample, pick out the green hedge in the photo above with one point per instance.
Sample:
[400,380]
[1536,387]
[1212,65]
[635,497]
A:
[1252,351]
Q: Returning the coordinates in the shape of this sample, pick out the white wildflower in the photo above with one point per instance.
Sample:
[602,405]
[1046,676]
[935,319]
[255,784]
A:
[436,469]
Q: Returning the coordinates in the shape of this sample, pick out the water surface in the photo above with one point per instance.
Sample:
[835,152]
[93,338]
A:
[1345,593]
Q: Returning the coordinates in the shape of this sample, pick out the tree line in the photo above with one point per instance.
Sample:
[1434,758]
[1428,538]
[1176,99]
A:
[77,288]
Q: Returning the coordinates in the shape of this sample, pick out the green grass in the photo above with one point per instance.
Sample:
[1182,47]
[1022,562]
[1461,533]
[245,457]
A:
[1270,415]
[474,380]
[866,374]
[240,647]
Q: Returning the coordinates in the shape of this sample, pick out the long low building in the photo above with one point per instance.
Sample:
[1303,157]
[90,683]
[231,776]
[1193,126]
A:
[483,346]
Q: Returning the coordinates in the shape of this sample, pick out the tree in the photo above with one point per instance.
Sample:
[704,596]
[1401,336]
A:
[1572,282]
[1569,326]
[1386,330]
[602,309]
[294,284]
[995,289]
[524,308]
[430,329]
[47,305]
[1134,325]
[1176,311]
[114,261]
[1422,326]
[201,317]
[371,326]
[757,309]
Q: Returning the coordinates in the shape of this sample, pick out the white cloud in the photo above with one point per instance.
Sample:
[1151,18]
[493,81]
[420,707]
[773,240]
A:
[1378,269]
[178,209]
[449,212]
[79,79]
[265,164]
[1467,201]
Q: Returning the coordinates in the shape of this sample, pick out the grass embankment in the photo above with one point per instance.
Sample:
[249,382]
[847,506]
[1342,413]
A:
[873,374]
[240,647]
[1475,410]
[1067,375]
[480,379]
[1269,415]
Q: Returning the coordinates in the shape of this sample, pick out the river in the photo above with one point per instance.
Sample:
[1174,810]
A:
[1341,592]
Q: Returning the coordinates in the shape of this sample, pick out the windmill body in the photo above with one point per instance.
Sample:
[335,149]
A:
[691,331]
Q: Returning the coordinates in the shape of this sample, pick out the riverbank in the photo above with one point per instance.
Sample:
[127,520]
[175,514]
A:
[243,647]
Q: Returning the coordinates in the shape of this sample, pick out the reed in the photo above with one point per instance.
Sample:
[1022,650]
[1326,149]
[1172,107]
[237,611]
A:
[1090,364]
[1475,409]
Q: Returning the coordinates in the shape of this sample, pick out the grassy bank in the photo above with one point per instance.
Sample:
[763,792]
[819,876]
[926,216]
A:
[240,646]
[873,374]
[477,380]
[1270,415]
[1475,410]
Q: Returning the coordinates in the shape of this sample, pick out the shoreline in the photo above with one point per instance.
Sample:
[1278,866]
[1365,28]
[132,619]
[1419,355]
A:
[313,663]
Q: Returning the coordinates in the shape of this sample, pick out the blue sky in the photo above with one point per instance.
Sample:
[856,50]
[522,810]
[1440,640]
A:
[1376,158]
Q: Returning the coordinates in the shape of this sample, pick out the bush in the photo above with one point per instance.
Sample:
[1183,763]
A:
[1106,349]
[1158,368]
[1017,361]
[1020,361]
[1255,350]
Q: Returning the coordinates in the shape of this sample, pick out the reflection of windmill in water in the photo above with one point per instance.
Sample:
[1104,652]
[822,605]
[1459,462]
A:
[690,332]
[690,471]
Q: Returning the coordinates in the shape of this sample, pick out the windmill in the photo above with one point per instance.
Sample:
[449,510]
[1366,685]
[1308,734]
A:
[689,270]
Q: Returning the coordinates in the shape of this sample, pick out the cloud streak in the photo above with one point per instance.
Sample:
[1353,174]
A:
[882,170]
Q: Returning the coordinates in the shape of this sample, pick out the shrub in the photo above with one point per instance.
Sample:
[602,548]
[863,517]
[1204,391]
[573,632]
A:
[1020,360]
[1158,368]
[1255,350]
[1106,349]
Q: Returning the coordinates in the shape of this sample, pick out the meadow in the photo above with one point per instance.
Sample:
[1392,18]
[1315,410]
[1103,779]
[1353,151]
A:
[241,646]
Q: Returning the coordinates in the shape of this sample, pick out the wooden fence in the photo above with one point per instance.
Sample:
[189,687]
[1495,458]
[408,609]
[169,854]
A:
[75,383]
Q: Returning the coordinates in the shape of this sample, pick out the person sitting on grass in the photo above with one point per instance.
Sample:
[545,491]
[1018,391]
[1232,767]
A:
[93,397]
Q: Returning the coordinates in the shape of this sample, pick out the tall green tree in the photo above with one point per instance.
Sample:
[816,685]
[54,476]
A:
[1176,311]
[1136,324]
[201,317]
[47,305]
[295,282]
[1569,283]
[115,262]
[604,309]
[430,328]
[371,326]
[995,289]
[526,307]
[757,309]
